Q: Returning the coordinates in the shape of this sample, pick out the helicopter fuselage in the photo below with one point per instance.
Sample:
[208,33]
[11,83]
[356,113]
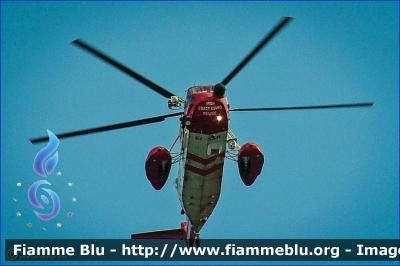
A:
[203,133]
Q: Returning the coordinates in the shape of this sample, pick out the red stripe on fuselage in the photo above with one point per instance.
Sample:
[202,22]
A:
[204,172]
[203,161]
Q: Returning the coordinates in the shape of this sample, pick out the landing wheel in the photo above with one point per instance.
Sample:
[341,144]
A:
[190,242]
[194,241]
[197,239]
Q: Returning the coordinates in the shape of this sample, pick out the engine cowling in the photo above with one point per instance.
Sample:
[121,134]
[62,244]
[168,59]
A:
[250,162]
[158,164]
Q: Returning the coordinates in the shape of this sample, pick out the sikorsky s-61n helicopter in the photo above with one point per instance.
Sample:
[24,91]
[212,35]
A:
[204,134]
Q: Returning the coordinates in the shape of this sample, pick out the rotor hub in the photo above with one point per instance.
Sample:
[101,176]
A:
[219,90]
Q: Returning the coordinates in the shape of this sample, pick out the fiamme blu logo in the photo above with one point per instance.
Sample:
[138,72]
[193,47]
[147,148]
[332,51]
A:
[44,166]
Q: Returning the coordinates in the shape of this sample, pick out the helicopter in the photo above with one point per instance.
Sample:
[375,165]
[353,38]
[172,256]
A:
[206,140]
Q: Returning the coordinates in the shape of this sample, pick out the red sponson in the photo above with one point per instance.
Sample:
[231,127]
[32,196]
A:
[158,165]
[250,162]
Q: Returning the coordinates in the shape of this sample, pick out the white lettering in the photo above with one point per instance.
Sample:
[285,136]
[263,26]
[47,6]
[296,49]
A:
[43,251]
[93,250]
[209,113]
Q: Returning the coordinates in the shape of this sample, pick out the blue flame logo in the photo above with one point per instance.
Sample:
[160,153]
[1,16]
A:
[44,153]
[49,167]
[33,200]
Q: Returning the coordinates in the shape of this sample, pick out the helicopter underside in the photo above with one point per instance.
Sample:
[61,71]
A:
[199,184]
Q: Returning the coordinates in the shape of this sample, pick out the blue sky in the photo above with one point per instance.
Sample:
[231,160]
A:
[327,173]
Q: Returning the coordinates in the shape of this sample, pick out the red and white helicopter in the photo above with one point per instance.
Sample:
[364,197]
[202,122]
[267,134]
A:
[204,134]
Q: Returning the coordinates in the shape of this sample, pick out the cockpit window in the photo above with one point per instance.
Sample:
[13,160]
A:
[192,90]
[208,88]
[189,95]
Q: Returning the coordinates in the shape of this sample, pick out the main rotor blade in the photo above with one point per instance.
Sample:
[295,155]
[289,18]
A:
[256,49]
[134,123]
[344,105]
[123,68]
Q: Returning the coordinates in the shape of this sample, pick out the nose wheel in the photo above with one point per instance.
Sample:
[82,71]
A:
[194,241]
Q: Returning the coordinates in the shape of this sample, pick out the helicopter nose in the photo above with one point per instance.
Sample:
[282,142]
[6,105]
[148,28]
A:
[219,90]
